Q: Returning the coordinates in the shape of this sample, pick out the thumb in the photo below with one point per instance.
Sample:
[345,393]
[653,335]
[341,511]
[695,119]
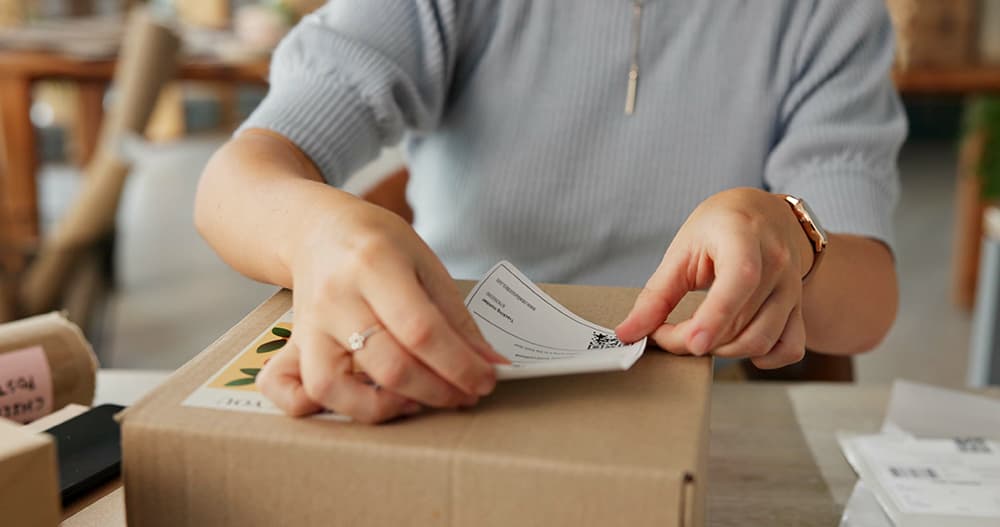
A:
[280,381]
[658,298]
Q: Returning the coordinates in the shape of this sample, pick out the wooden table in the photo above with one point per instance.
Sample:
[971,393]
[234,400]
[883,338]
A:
[19,70]
[761,471]
[773,459]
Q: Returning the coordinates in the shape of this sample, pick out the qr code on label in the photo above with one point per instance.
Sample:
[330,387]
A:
[600,341]
[913,472]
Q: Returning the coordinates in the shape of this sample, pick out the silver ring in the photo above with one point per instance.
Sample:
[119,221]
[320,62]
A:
[357,340]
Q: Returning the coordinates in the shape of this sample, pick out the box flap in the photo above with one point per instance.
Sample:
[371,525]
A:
[29,483]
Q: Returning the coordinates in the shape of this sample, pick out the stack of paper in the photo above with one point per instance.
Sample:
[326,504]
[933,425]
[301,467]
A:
[935,463]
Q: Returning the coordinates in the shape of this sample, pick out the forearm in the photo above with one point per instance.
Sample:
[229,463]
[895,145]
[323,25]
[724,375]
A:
[849,304]
[257,198]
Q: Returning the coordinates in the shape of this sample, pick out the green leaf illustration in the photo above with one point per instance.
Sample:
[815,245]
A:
[250,371]
[241,382]
[281,332]
[270,346]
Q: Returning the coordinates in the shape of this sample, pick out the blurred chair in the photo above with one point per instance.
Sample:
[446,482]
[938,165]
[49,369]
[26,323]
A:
[70,256]
[984,352]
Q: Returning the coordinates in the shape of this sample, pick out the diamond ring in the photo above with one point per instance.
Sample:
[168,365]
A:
[357,340]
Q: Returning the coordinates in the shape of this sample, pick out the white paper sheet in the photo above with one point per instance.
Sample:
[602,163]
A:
[537,334]
[917,473]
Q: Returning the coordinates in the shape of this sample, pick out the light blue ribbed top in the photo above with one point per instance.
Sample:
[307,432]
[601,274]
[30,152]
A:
[512,113]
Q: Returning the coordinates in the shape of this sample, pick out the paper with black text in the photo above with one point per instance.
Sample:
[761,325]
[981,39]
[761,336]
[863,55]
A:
[537,334]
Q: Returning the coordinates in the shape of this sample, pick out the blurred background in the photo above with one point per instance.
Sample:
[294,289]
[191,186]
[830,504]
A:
[106,122]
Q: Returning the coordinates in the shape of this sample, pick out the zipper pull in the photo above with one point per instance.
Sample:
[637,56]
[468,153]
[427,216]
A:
[633,70]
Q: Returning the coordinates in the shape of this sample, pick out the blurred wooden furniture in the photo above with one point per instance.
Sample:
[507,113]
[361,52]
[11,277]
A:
[964,80]
[959,80]
[390,193]
[18,158]
[148,60]
[65,271]
[814,367]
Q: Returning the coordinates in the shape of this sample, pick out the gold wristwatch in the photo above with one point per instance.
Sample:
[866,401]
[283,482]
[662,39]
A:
[815,233]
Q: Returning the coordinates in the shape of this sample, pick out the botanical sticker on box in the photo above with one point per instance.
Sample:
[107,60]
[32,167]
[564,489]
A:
[234,386]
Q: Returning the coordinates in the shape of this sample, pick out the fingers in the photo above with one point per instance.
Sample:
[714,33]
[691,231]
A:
[657,299]
[762,333]
[408,314]
[389,365]
[328,379]
[393,369]
[765,291]
[673,337]
[775,337]
[442,291]
[279,381]
[670,337]
[791,346]
[738,269]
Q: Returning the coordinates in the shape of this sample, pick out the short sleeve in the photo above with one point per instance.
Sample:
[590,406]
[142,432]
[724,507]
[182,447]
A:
[353,76]
[841,123]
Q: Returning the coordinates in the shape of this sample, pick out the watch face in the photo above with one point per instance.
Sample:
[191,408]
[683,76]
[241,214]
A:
[815,222]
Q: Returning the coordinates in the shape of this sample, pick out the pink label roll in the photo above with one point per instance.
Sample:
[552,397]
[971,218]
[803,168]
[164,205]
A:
[25,385]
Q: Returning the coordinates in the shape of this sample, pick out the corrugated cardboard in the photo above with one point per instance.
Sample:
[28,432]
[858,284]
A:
[29,479]
[71,359]
[624,448]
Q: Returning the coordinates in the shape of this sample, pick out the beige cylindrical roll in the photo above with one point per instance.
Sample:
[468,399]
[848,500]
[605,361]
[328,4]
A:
[93,216]
[44,358]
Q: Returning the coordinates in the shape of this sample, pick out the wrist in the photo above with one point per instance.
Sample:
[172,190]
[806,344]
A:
[803,245]
[315,225]
[778,214]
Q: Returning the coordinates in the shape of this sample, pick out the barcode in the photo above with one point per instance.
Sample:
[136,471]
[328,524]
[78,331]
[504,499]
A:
[972,445]
[913,472]
[600,341]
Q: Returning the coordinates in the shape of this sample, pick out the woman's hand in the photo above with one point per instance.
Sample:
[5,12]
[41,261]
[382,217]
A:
[748,246]
[363,267]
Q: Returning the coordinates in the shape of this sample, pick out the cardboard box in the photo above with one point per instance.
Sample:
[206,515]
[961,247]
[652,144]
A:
[602,449]
[29,479]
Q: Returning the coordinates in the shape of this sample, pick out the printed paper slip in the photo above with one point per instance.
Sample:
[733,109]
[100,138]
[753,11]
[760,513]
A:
[928,480]
[935,462]
[540,336]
